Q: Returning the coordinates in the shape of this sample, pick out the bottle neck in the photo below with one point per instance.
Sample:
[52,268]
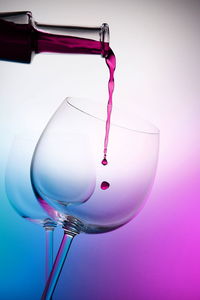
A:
[71,39]
[17,17]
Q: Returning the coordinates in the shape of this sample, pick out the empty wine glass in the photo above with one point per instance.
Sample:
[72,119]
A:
[67,172]
[21,196]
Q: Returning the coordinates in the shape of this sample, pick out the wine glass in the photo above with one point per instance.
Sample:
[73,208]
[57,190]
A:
[21,196]
[67,171]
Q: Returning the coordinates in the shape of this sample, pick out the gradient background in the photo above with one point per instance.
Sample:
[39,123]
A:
[157,255]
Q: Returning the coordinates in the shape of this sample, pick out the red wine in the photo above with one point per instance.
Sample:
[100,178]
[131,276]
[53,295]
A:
[105,185]
[104,161]
[53,43]
[111,63]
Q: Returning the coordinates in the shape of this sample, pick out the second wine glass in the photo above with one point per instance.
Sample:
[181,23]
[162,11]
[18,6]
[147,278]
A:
[21,196]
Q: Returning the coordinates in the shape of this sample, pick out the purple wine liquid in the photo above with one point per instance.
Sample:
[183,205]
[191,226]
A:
[105,185]
[53,43]
[111,63]
[104,161]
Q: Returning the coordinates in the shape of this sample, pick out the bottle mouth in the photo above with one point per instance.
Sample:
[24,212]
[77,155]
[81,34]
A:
[18,17]
[104,39]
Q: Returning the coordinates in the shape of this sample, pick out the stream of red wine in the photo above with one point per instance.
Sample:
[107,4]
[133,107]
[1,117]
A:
[111,63]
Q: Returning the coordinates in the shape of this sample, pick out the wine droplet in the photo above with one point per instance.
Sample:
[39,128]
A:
[104,162]
[105,185]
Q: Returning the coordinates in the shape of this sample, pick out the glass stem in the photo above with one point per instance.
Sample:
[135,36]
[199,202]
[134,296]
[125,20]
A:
[58,265]
[49,231]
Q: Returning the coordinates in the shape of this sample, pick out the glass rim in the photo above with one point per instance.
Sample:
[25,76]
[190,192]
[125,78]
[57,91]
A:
[153,131]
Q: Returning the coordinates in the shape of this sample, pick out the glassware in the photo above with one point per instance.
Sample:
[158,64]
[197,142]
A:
[21,37]
[21,196]
[67,172]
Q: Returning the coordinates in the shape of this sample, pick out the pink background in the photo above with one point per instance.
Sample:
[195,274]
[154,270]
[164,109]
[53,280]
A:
[157,255]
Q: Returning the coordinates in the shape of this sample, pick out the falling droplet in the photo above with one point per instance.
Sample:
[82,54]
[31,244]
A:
[105,185]
[104,161]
